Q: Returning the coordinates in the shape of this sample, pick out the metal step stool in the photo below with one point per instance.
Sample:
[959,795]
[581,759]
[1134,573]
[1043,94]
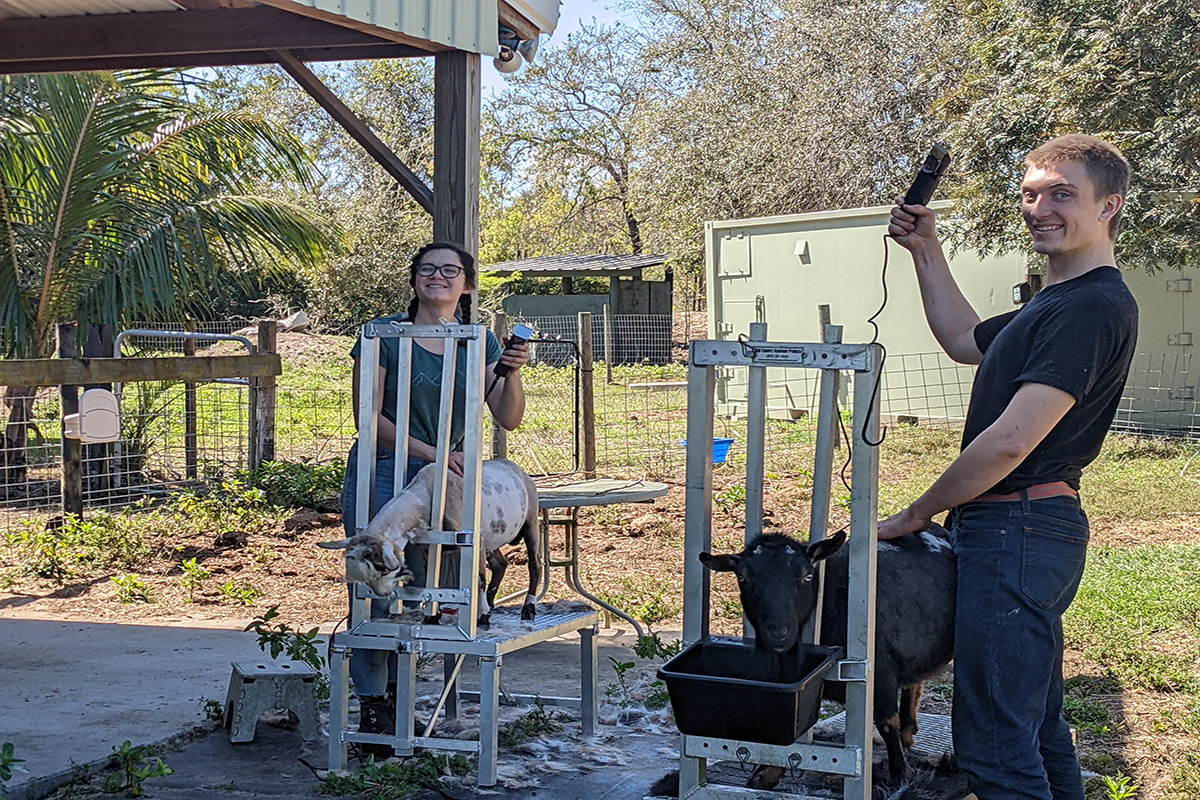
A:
[258,686]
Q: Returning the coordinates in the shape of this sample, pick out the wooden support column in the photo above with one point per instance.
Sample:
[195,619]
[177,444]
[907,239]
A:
[264,409]
[588,400]
[72,449]
[456,152]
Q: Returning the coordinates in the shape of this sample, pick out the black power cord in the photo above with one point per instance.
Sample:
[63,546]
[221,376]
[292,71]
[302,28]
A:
[883,356]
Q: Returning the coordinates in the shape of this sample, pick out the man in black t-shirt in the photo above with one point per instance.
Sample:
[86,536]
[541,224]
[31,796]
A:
[1049,380]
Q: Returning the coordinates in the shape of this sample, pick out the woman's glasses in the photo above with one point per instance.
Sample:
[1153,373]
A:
[450,271]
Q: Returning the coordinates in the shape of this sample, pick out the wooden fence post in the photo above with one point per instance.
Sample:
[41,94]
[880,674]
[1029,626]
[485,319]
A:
[190,451]
[588,399]
[608,346]
[72,449]
[264,403]
[499,435]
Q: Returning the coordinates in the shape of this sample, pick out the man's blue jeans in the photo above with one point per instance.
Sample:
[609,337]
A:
[372,670]
[1019,566]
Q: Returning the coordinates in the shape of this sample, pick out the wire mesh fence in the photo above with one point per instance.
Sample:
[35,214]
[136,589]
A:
[616,339]
[175,435]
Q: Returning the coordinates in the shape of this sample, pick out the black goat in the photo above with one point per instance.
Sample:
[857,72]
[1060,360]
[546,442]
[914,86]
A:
[914,617]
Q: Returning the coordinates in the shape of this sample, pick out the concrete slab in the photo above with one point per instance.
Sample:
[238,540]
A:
[72,690]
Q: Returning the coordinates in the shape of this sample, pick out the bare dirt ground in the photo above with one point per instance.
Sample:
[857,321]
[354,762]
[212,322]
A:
[633,552]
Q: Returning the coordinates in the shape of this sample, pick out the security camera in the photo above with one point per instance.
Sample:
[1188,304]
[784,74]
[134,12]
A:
[508,62]
[528,48]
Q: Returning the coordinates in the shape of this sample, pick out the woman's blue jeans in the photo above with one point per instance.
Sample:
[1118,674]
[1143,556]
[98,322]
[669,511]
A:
[1019,566]
[372,670]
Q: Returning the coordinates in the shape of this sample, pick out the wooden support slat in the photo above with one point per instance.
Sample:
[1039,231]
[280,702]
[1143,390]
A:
[523,28]
[456,117]
[72,449]
[357,129]
[175,33]
[187,60]
[73,372]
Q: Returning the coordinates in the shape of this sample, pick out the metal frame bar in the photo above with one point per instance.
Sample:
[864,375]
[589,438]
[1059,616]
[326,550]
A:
[853,759]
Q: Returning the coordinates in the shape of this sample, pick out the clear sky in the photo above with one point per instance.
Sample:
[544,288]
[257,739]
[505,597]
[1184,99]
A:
[571,14]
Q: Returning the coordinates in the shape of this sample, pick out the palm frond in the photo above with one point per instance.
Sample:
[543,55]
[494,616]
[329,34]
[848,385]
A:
[122,203]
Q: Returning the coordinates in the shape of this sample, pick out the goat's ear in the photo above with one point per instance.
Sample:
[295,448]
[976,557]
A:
[819,551]
[731,563]
[340,544]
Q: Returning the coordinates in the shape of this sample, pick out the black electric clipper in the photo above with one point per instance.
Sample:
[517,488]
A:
[520,334]
[936,163]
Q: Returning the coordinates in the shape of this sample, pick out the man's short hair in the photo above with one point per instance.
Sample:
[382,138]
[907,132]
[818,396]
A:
[1104,162]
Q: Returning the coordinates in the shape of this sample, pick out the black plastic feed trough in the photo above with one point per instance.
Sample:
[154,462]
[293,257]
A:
[727,689]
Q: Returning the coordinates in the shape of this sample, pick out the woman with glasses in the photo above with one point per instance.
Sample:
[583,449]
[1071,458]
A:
[442,276]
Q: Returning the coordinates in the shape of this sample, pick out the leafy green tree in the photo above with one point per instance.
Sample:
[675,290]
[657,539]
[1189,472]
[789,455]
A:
[118,203]
[383,225]
[1028,71]
[782,106]
[568,124]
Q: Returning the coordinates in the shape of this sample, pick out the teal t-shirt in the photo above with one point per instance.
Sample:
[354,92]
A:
[426,392]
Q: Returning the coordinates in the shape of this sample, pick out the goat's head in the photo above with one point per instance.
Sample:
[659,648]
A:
[777,581]
[373,561]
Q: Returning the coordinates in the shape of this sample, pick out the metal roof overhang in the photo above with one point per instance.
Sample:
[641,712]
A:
[89,35]
[575,266]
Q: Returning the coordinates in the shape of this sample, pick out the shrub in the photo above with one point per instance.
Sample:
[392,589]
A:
[291,485]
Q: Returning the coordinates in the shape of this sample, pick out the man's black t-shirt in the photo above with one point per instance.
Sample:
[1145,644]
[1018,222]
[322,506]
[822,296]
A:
[1078,336]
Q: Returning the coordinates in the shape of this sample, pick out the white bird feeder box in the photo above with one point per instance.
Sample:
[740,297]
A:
[98,420]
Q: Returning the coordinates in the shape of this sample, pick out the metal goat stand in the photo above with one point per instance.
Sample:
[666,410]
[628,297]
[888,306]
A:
[456,641]
[853,759]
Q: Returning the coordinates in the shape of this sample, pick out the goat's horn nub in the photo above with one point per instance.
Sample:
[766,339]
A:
[340,544]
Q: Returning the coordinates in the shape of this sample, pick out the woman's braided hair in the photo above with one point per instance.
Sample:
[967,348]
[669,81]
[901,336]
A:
[468,263]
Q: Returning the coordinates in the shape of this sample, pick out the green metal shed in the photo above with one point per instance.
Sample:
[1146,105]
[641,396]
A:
[780,270]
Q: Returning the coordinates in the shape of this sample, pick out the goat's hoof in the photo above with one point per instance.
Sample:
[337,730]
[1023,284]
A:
[899,775]
[484,621]
[765,777]
[528,612]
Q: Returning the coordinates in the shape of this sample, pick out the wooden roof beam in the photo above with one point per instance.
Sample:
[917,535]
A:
[172,33]
[358,129]
[240,58]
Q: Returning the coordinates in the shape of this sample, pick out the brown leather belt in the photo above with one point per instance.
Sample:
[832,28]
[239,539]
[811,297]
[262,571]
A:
[1038,491]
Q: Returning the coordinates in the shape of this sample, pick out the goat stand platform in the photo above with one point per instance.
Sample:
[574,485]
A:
[852,759]
[455,586]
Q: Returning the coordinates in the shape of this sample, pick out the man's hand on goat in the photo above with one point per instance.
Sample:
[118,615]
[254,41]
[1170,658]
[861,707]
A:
[902,524]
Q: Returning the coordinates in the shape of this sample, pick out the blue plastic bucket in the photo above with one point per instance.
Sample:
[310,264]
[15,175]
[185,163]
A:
[720,449]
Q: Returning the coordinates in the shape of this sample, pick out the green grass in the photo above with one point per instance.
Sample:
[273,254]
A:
[1137,618]
[1137,615]
[1142,478]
